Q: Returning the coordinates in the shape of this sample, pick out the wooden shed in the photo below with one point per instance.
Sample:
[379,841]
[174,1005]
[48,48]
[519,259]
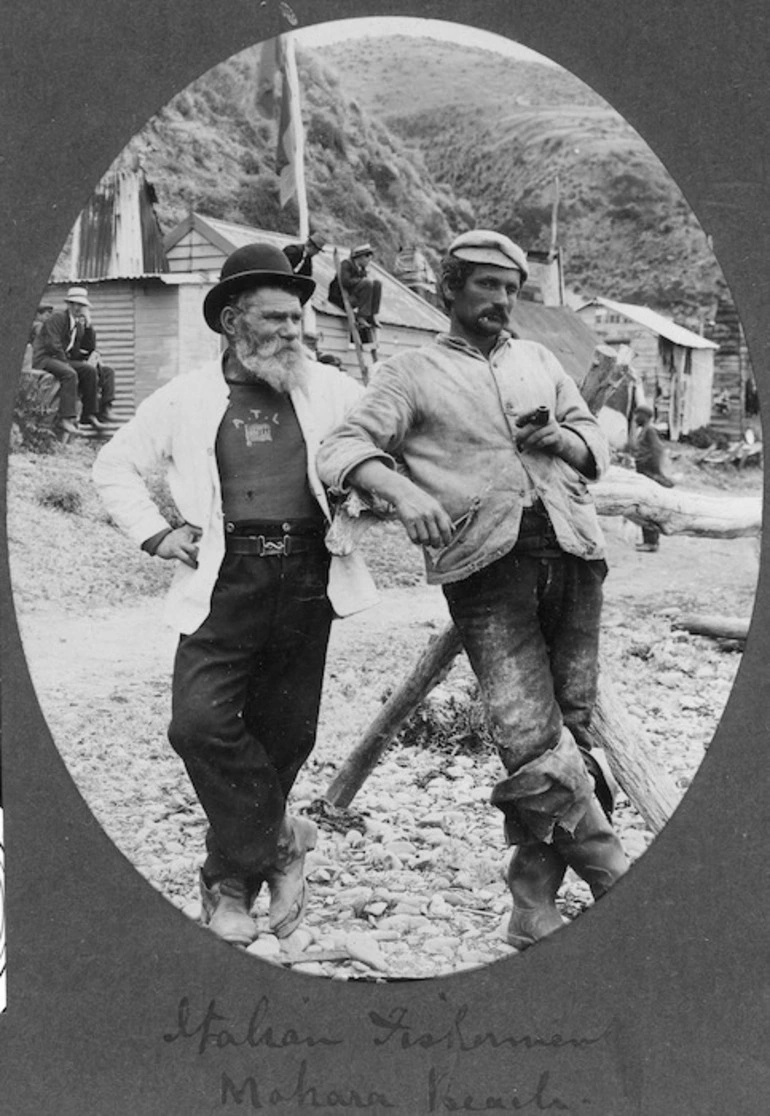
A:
[201,245]
[675,366]
[148,328]
[736,402]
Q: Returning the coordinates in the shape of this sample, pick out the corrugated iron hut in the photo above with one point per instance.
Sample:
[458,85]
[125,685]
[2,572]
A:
[736,403]
[201,245]
[675,365]
[150,324]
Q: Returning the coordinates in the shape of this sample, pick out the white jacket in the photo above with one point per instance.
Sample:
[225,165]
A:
[176,427]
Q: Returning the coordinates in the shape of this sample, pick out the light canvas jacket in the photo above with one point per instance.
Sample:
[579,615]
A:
[449,414]
[176,427]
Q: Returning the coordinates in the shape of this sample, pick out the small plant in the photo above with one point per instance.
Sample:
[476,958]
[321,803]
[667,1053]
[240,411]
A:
[60,495]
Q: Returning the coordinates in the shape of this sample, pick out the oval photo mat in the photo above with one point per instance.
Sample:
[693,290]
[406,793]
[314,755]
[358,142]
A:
[646,1005]
[102,677]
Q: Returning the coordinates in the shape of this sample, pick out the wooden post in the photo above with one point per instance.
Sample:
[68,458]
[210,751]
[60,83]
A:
[428,671]
[610,367]
[650,788]
[352,324]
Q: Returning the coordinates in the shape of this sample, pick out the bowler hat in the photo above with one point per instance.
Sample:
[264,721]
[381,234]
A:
[253,265]
[484,246]
[77,294]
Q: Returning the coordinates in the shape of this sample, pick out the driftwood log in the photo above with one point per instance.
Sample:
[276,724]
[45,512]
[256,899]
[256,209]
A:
[676,511]
[718,627]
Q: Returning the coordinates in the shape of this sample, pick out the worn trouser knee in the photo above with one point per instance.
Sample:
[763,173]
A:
[553,789]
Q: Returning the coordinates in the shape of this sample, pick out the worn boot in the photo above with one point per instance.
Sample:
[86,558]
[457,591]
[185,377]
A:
[286,878]
[594,850]
[535,874]
[225,910]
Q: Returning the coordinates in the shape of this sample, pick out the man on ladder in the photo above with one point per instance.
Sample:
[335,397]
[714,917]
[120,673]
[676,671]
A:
[364,293]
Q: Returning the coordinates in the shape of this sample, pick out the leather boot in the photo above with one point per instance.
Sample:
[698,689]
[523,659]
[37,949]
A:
[535,874]
[594,850]
[286,878]
[225,910]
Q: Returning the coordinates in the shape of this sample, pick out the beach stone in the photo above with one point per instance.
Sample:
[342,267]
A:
[299,940]
[192,909]
[312,968]
[444,945]
[433,836]
[401,849]
[266,946]
[364,948]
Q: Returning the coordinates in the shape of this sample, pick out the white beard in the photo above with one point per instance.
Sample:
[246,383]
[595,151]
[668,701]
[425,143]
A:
[279,364]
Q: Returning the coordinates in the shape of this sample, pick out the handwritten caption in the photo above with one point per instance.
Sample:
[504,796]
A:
[210,1030]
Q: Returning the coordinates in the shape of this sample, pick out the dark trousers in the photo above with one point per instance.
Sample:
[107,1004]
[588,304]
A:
[365,296]
[245,697]
[106,386]
[530,628]
[75,378]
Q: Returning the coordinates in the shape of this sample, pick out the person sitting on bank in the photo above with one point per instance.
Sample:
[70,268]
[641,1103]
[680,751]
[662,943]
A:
[364,293]
[52,351]
[300,256]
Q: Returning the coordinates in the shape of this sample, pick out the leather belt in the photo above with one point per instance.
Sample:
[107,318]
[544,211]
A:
[265,546]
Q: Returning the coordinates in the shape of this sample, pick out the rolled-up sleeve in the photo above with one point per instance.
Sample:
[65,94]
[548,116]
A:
[121,465]
[374,428]
[572,412]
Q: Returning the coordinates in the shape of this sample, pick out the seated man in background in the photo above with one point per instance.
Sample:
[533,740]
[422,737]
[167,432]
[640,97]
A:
[85,349]
[52,351]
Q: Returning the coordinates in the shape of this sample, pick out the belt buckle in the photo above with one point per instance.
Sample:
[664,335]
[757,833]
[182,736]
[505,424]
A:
[273,548]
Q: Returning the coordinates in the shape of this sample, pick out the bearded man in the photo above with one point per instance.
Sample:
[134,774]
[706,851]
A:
[255,590]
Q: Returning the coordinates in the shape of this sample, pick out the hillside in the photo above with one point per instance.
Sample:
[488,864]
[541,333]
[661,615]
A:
[409,142]
[209,149]
[499,132]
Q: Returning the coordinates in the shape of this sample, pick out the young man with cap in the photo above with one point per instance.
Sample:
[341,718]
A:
[498,445]
[365,293]
[300,256]
[53,350]
[255,589]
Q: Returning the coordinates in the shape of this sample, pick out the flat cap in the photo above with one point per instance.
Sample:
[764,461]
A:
[484,246]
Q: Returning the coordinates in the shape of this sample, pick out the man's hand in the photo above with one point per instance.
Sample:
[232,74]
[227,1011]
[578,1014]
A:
[427,523]
[558,441]
[181,543]
[542,439]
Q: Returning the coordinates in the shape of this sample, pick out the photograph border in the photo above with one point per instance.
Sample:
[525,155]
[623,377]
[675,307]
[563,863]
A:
[657,1001]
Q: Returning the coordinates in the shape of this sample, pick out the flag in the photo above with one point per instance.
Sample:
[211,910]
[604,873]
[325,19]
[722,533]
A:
[290,156]
[267,71]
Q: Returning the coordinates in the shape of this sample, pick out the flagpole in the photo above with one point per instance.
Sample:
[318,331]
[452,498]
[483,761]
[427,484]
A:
[292,81]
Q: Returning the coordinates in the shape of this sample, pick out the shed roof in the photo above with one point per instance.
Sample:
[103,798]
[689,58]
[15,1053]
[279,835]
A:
[560,330]
[655,322]
[400,305]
